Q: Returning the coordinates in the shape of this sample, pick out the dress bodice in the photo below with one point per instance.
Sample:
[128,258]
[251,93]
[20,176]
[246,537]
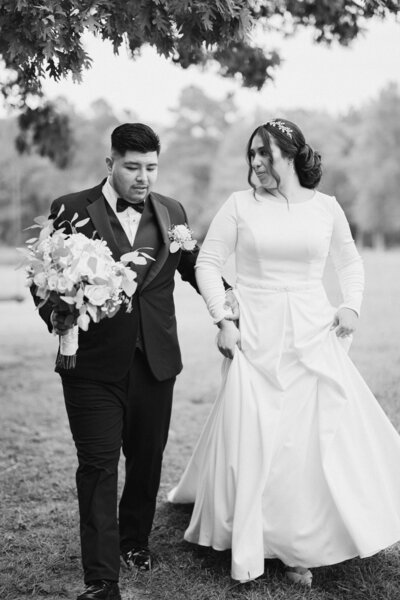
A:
[279,245]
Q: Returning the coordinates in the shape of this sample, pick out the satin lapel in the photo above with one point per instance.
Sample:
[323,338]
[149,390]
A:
[164,223]
[148,238]
[98,213]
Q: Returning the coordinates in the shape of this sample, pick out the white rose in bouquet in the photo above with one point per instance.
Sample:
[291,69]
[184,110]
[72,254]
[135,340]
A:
[97,294]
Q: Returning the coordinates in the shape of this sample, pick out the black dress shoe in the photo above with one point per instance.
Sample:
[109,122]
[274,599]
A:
[101,589]
[139,557]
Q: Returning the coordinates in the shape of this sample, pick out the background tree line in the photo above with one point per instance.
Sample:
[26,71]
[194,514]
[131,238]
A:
[45,39]
[203,160]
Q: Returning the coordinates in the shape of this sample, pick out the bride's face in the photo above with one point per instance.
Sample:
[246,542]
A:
[262,159]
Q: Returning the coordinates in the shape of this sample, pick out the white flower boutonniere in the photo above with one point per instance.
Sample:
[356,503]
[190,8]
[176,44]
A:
[181,238]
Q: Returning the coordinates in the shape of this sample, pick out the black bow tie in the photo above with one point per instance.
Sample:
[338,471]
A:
[124,204]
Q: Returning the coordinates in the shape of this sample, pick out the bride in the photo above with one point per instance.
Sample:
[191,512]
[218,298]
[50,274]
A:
[297,461]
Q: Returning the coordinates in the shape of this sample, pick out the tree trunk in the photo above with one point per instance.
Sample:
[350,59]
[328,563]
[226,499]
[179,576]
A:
[359,238]
[378,240]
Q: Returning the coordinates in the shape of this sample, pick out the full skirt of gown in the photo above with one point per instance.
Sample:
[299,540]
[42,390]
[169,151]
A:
[297,460]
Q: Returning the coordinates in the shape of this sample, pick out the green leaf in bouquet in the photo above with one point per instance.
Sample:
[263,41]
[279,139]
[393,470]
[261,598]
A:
[83,321]
[133,257]
[130,275]
[62,208]
[127,257]
[93,312]
[137,257]
[31,240]
[36,226]
[129,287]
[41,221]
[28,259]
[43,302]
[26,254]
[82,222]
[74,218]
[79,298]
[147,255]
[46,232]
[68,299]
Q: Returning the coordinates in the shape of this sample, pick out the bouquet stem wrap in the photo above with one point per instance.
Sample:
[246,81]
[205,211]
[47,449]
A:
[66,358]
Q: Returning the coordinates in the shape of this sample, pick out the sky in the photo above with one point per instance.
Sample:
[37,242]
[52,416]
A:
[312,76]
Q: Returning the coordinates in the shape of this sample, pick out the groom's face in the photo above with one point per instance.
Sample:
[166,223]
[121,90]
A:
[133,174]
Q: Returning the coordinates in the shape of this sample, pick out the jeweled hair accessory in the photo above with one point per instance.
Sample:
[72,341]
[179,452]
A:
[281,126]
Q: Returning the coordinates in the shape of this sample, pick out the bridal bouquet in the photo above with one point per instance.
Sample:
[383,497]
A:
[78,275]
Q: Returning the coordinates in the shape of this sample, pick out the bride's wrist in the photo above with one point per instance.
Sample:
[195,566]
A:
[224,324]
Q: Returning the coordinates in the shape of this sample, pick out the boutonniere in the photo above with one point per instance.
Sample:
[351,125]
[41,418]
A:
[181,238]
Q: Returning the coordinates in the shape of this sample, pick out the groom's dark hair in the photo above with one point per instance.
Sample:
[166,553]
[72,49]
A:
[136,137]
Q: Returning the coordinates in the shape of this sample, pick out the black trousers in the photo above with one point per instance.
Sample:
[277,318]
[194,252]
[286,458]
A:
[133,413]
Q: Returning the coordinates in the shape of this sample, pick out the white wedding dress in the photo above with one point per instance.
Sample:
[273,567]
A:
[297,460]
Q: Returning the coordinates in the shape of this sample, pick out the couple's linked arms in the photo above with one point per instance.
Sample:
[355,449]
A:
[218,245]
[186,269]
[60,323]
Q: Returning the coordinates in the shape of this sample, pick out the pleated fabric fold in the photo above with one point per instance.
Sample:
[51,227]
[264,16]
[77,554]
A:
[297,460]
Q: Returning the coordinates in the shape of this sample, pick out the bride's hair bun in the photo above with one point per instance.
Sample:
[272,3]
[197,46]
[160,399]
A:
[308,167]
[290,140]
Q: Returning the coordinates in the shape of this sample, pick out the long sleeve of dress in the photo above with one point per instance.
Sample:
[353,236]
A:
[347,261]
[219,244]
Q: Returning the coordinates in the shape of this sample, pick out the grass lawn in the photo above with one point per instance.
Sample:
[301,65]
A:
[40,555]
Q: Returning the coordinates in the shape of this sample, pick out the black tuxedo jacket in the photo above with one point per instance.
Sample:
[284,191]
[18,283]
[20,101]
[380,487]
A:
[106,350]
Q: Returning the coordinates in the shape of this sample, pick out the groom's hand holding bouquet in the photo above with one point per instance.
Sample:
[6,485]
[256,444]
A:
[79,278]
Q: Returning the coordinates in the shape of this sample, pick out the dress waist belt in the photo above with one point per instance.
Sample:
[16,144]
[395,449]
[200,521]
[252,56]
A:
[289,287]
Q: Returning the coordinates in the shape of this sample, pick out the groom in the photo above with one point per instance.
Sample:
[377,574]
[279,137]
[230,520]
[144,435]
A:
[120,392]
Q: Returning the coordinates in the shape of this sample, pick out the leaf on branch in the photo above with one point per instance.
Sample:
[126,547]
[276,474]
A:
[46,131]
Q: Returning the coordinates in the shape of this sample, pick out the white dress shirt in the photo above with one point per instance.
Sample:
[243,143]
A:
[128,218]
